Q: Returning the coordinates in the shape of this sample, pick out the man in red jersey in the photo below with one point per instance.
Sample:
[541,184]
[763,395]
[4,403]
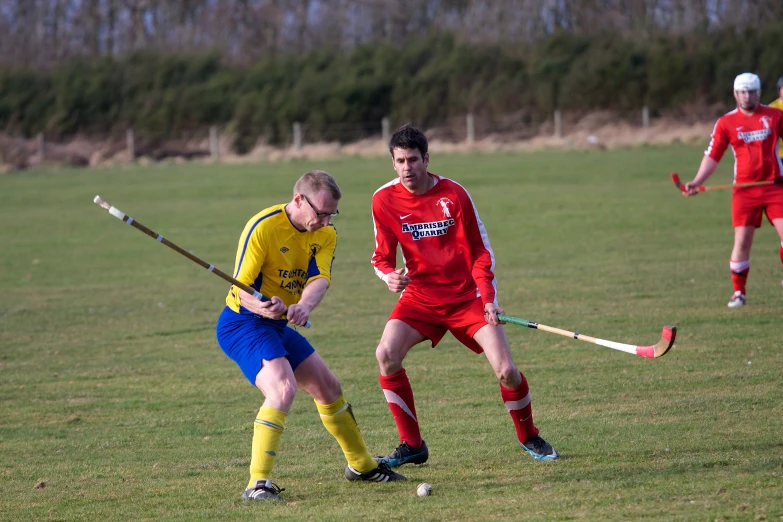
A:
[753,131]
[447,284]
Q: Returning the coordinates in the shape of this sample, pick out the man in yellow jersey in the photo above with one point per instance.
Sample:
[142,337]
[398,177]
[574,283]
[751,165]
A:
[778,104]
[286,252]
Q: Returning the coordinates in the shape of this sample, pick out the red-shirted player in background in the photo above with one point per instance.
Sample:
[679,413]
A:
[753,131]
[447,284]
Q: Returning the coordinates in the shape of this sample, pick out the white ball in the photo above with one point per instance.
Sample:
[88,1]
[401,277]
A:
[424,490]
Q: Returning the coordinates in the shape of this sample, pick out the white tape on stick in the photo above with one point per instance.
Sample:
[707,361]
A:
[119,214]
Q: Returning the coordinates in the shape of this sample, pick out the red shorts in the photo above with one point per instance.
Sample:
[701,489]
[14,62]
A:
[462,319]
[748,205]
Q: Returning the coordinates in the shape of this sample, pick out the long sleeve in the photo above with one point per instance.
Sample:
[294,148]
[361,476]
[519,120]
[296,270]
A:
[384,257]
[483,256]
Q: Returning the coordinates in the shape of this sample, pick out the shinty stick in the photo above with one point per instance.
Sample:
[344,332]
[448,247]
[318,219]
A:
[114,211]
[680,185]
[653,351]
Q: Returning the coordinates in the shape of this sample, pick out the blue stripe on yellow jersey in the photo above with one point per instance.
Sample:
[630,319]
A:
[277,259]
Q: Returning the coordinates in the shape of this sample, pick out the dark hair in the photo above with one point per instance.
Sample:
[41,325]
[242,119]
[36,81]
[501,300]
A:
[780,83]
[408,137]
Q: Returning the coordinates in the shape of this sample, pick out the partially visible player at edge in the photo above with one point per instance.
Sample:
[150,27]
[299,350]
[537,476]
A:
[286,251]
[778,104]
[753,131]
[447,284]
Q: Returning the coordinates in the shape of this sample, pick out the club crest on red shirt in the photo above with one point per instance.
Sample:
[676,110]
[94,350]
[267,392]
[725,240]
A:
[446,205]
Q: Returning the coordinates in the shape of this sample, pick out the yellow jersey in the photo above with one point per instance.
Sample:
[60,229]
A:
[778,104]
[278,260]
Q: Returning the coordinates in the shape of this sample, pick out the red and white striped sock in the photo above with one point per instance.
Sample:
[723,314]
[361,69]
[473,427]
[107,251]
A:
[517,402]
[399,394]
[739,274]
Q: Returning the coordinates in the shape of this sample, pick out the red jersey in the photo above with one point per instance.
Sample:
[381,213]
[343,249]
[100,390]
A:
[754,141]
[444,244]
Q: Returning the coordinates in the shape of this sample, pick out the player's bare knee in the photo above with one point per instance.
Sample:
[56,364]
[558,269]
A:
[328,391]
[509,376]
[279,395]
[288,392]
[389,360]
[318,382]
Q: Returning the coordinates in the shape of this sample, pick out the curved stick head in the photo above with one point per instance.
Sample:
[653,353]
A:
[667,341]
[677,182]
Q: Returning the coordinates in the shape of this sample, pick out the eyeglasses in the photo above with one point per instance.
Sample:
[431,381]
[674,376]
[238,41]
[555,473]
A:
[318,213]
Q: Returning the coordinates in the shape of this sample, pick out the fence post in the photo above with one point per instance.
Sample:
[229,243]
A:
[41,147]
[214,146]
[130,141]
[558,123]
[645,117]
[471,129]
[297,135]
[385,132]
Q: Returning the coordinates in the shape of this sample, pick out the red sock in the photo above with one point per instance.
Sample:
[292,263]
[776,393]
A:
[739,274]
[518,404]
[399,395]
[781,252]
[738,279]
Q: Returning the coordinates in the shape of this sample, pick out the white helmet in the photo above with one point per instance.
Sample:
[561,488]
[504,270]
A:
[747,82]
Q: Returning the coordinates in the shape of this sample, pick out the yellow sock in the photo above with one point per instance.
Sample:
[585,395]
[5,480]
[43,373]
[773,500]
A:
[338,420]
[267,431]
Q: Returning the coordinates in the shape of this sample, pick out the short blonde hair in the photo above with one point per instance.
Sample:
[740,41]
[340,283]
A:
[316,181]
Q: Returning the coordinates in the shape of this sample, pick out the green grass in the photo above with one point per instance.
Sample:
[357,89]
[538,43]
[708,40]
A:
[113,390]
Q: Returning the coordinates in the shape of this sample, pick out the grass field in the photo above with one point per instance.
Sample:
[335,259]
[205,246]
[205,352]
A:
[114,393]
